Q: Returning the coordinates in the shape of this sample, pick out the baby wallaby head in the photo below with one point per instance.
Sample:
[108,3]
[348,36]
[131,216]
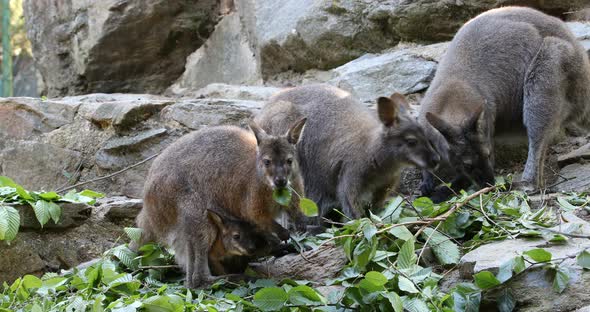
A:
[276,155]
[402,137]
[238,238]
[470,145]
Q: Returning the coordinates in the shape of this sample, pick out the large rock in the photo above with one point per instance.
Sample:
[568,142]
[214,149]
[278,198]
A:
[36,251]
[106,46]
[406,71]
[533,289]
[38,166]
[53,143]
[432,21]
[305,34]
[227,57]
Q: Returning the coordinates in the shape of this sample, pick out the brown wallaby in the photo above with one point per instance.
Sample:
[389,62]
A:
[236,242]
[225,169]
[349,157]
[506,70]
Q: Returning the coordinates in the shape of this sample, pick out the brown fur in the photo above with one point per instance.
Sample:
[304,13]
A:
[349,157]
[506,70]
[221,169]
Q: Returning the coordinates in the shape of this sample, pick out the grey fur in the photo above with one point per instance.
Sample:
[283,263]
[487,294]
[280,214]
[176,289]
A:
[219,169]
[349,158]
[511,69]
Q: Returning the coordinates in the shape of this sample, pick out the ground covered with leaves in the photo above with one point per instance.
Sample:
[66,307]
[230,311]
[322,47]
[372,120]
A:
[386,269]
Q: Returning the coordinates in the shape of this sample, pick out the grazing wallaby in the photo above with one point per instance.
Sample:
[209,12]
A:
[506,70]
[349,157]
[225,169]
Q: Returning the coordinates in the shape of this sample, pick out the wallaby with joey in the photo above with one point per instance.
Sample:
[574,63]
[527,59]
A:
[508,70]
[349,157]
[225,169]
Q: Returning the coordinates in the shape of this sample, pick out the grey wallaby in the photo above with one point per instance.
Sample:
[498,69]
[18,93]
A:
[225,169]
[350,157]
[508,70]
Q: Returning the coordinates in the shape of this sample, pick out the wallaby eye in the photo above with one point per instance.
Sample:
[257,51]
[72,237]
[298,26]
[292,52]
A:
[236,236]
[266,162]
[289,161]
[411,141]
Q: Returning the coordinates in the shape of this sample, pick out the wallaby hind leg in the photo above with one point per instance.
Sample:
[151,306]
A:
[348,195]
[544,103]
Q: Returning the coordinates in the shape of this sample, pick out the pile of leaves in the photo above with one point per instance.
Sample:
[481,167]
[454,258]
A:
[385,270]
[45,205]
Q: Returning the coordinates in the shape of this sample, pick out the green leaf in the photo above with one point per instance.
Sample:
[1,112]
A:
[446,251]
[91,194]
[506,302]
[539,255]
[424,205]
[369,230]
[393,210]
[395,300]
[133,233]
[31,281]
[49,196]
[304,295]
[519,265]
[505,271]
[282,196]
[6,181]
[54,211]
[401,232]
[583,259]
[565,204]
[406,285]
[486,280]
[270,299]
[406,257]
[561,279]
[308,207]
[41,208]
[376,278]
[415,304]
[9,223]
[466,298]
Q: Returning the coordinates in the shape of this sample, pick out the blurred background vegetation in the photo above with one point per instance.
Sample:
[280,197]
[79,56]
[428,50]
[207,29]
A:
[23,73]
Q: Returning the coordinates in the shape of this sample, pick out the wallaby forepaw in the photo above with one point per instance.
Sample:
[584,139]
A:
[426,188]
[524,186]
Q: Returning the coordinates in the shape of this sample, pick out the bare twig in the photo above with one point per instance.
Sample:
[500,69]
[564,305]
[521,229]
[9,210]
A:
[159,267]
[107,176]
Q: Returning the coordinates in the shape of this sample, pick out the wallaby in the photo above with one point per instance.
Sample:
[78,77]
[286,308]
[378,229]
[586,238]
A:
[236,242]
[225,169]
[349,157]
[506,70]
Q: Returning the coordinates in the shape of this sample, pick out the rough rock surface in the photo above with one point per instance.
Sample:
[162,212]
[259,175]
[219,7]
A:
[53,143]
[533,289]
[406,70]
[115,46]
[227,56]
[84,234]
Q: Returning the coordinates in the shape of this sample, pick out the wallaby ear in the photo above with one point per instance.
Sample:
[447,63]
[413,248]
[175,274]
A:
[259,133]
[400,101]
[446,129]
[294,133]
[387,111]
[217,219]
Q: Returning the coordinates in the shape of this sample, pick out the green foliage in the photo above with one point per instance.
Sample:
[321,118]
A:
[44,204]
[282,196]
[384,272]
